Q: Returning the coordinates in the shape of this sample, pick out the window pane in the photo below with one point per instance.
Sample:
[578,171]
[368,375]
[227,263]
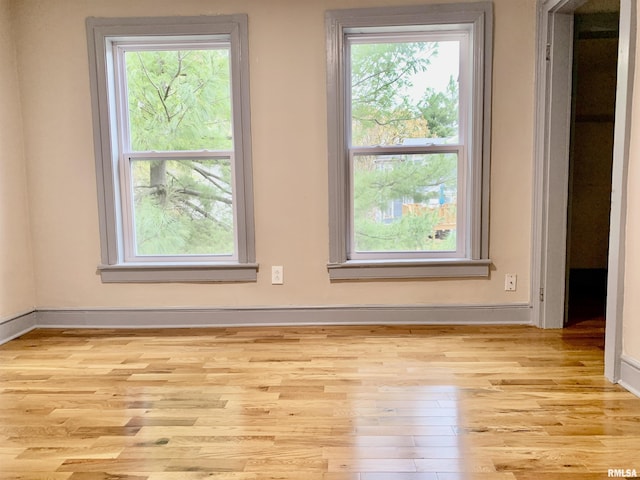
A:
[405,203]
[183,207]
[179,100]
[404,93]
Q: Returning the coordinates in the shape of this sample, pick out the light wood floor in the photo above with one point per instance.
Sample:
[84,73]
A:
[334,403]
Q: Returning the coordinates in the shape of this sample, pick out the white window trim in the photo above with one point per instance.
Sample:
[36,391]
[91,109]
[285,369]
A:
[114,266]
[339,23]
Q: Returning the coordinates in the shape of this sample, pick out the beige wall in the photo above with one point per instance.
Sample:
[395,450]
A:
[16,272]
[288,107]
[631,314]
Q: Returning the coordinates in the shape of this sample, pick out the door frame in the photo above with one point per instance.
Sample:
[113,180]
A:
[551,169]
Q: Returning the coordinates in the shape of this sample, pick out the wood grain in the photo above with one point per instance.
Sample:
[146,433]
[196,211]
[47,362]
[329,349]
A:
[314,403]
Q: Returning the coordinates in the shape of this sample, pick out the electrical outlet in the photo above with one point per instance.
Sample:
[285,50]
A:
[277,275]
[510,282]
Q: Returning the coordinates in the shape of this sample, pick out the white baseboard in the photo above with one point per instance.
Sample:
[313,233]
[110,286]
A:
[286,316]
[16,326]
[630,374]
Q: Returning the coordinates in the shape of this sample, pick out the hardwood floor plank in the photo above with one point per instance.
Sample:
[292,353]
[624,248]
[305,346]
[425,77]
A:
[399,476]
[369,452]
[362,465]
[105,476]
[7,475]
[313,403]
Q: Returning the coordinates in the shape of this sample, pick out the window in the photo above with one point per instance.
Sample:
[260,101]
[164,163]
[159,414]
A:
[409,123]
[173,152]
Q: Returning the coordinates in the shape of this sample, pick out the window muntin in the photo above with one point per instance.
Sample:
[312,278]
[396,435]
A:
[407,98]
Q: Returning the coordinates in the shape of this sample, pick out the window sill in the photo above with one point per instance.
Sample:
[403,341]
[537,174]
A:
[436,268]
[178,272]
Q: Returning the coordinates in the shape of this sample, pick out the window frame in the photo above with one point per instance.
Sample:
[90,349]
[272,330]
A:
[341,25]
[116,266]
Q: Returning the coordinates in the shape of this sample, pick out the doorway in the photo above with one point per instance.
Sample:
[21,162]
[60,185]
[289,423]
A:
[551,170]
[595,57]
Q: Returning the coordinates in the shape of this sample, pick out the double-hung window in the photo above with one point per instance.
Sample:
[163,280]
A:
[171,125]
[408,112]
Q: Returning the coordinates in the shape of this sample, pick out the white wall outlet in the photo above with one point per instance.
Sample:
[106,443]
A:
[510,282]
[277,275]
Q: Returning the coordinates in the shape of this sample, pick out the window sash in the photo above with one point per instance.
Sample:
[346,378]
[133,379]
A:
[128,156]
[128,207]
[432,33]
[121,47]
[461,213]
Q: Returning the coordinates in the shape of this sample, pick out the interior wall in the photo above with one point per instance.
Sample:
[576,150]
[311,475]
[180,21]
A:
[631,312]
[599,6]
[288,108]
[16,273]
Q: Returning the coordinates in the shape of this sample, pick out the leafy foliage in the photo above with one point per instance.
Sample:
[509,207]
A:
[187,214]
[384,191]
[381,74]
[440,110]
[393,104]
[179,100]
